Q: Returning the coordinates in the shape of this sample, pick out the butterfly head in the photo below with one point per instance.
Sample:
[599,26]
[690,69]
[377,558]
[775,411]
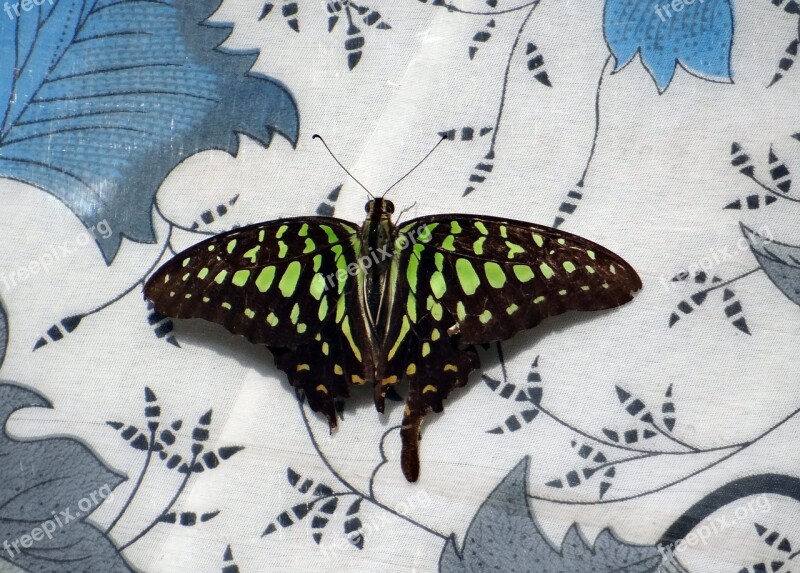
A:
[379,208]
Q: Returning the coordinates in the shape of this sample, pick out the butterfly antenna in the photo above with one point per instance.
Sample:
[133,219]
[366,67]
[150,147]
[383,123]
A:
[317,136]
[417,165]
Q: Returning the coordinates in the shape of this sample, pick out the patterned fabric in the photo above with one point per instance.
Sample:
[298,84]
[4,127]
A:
[660,436]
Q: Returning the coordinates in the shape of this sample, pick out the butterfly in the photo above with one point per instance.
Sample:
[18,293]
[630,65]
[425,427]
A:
[341,305]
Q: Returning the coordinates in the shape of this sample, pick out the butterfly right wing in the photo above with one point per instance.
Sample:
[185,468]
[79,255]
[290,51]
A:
[285,284]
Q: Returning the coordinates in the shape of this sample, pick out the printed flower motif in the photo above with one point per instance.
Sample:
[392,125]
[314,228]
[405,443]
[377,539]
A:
[697,34]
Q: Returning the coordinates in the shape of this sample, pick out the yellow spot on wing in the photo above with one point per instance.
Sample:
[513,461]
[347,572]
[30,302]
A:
[411,370]
[337,370]
[356,379]
[249,313]
[426,349]
[538,299]
[272,320]
[303,367]
[326,348]
[321,388]
[390,380]
[429,388]
[450,368]
[226,305]
[435,335]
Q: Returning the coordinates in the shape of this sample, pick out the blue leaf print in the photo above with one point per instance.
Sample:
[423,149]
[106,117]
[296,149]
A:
[105,97]
[698,37]
[50,487]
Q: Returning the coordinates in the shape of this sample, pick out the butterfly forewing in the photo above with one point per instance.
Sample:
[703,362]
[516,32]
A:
[496,277]
[285,284]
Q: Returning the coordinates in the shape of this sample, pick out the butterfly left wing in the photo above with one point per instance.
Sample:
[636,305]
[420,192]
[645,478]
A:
[285,284]
[471,280]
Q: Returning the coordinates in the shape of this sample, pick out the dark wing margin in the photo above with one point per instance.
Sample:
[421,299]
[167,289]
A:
[285,284]
[465,280]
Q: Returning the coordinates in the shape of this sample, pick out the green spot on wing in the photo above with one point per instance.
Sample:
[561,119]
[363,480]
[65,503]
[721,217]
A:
[477,246]
[317,286]
[310,246]
[281,231]
[513,249]
[438,285]
[546,270]
[303,230]
[231,246]
[283,249]
[240,278]
[467,276]
[494,274]
[265,278]
[203,273]
[537,238]
[220,278]
[289,279]
[448,243]
[481,227]
[523,273]
[455,228]
[332,238]
[461,311]
[485,317]
[569,267]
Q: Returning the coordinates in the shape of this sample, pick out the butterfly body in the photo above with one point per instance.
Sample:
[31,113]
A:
[342,306]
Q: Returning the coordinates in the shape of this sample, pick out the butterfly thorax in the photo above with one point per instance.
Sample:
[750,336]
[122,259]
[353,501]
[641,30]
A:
[377,244]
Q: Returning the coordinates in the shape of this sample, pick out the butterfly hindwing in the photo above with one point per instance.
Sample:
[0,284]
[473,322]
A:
[285,284]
